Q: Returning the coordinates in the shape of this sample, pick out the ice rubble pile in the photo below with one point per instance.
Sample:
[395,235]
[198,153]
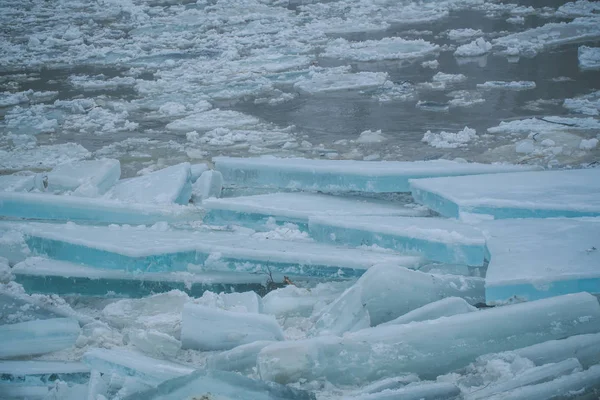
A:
[320,270]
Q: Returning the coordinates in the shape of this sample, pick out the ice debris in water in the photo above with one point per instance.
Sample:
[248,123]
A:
[522,85]
[385,49]
[476,48]
[450,140]
[589,57]
[209,184]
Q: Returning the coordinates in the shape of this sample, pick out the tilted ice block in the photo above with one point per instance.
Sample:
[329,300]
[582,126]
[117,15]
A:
[166,186]
[89,178]
[531,376]
[43,372]
[589,57]
[536,258]
[149,250]
[241,358]
[207,384]
[343,175]
[254,211]
[578,383]
[436,239]
[417,391]
[41,275]
[389,291]
[197,170]
[537,194]
[72,208]
[429,348]
[128,363]
[442,308]
[38,337]
[205,328]
[208,185]
[347,313]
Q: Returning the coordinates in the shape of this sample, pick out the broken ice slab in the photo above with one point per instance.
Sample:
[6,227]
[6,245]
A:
[388,291]
[442,308]
[586,348]
[19,183]
[205,328]
[197,170]
[389,48]
[43,372]
[248,301]
[417,391]
[41,275]
[532,376]
[436,239]
[72,208]
[38,337]
[256,211]
[207,384]
[209,184]
[578,383]
[333,82]
[343,175]
[429,348]
[149,250]
[166,186]
[536,258]
[241,358]
[145,369]
[534,194]
[90,178]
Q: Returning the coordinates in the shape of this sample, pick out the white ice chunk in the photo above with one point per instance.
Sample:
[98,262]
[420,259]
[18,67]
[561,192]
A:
[86,178]
[429,348]
[536,258]
[462,34]
[169,185]
[148,370]
[212,119]
[154,343]
[37,337]
[343,175]
[387,292]
[208,185]
[205,328]
[518,85]
[476,48]
[292,301]
[241,358]
[588,104]
[389,48]
[442,308]
[588,144]
[450,140]
[589,57]
[333,82]
[539,194]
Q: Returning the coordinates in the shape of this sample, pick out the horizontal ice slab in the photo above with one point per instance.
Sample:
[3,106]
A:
[149,250]
[89,178]
[127,363]
[41,275]
[539,194]
[166,186]
[417,391]
[206,384]
[205,328]
[436,239]
[19,183]
[537,258]
[429,348]
[342,175]
[254,211]
[43,372]
[37,337]
[72,208]
[442,308]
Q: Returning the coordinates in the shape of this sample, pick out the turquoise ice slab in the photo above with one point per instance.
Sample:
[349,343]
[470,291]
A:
[41,373]
[150,250]
[40,275]
[221,384]
[534,194]
[536,258]
[37,337]
[255,211]
[42,206]
[343,175]
[436,239]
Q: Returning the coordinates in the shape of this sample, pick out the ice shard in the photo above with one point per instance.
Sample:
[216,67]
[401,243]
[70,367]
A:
[149,250]
[38,337]
[436,239]
[42,275]
[343,175]
[256,211]
[429,348]
[166,186]
[534,194]
[442,308]
[386,292]
[207,384]
[208,185]
[44,206]
[145,369]
[241,358]
[205,328]
[535,258]
[90,178]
